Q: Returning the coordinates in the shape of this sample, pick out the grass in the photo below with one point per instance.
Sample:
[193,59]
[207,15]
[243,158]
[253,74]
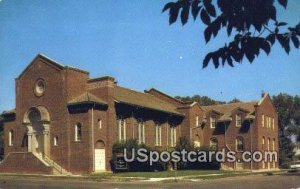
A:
[165,174]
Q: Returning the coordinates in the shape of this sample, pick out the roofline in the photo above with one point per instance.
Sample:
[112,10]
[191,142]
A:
[147,91]
[178,114]
[53,62]
[101,79]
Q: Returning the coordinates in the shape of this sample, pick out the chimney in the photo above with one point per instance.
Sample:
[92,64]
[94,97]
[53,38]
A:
[106,81]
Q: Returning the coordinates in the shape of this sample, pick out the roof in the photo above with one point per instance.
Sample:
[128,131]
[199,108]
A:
[52,62]
[228,108]
[8,112]
[86,98]
[145,100]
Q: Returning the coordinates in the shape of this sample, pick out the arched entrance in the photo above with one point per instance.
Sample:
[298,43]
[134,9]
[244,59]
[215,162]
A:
[37,121]
[99,156]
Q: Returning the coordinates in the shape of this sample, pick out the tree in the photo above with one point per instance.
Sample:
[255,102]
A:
[202,100]
[235,100]
[252,23]
[288,108]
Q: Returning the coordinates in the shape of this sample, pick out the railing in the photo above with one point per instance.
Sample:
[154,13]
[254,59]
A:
[54,164]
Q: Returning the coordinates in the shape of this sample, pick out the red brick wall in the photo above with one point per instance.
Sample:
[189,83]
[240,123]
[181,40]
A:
[26,163]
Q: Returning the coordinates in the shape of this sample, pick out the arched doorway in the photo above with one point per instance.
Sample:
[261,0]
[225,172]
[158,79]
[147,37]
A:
[99,156]
[37,121]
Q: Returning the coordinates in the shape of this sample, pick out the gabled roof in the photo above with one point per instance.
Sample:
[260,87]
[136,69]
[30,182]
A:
[54,63]
[87,98]
[146,100]
[164,94]
[228,108]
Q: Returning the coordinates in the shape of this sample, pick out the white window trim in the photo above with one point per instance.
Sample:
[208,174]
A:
[158,134]
[55,141]
[211,122]
[11,138]
[77,139]
[173,136]
[238,117]
[99,123]
[141,132]
[122,129]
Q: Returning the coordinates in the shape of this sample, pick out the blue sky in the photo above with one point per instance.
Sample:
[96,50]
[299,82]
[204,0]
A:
[132,41]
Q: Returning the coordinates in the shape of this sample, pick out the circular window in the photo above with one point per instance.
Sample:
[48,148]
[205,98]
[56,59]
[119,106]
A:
[39,87]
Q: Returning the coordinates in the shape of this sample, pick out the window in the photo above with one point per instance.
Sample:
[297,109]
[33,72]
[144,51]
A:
[55,141]
[197,144]
[11,138]
[273,144]
[269,144]
[173,136]
[213,122]
[158,134]
[238,120]
[239,142]
[214,144]
[197,121]
[263,143]
[78,134]
[141,132]
[121,125]
[99,123]
[273,123]
[263,120]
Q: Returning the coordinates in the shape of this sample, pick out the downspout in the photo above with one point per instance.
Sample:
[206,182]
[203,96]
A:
[93,142]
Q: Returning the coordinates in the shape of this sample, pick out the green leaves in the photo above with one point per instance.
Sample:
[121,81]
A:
[204,17]
[238,17]
[283,3]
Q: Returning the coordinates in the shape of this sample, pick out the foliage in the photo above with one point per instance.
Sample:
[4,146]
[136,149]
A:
[118,148]
[202,100]
[184,143]
[252,24]
[288,108]
[235,100]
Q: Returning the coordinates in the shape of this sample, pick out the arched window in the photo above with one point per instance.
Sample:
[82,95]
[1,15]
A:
[55,141]
[11,138]
[121,127]
[99,123]
[269,141]
[273,144]
[78,134]
[214,144]
[141,131]
[239,143]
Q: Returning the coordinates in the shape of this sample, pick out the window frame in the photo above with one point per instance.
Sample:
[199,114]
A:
[141,131]
[78,132]
[237,145]
[55,141]
[11,137]
[173,136]
[158,134]
[213,119]
[238,119]
[121,128]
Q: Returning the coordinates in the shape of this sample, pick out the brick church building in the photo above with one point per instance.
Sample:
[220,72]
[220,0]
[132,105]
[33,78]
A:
[66,122]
